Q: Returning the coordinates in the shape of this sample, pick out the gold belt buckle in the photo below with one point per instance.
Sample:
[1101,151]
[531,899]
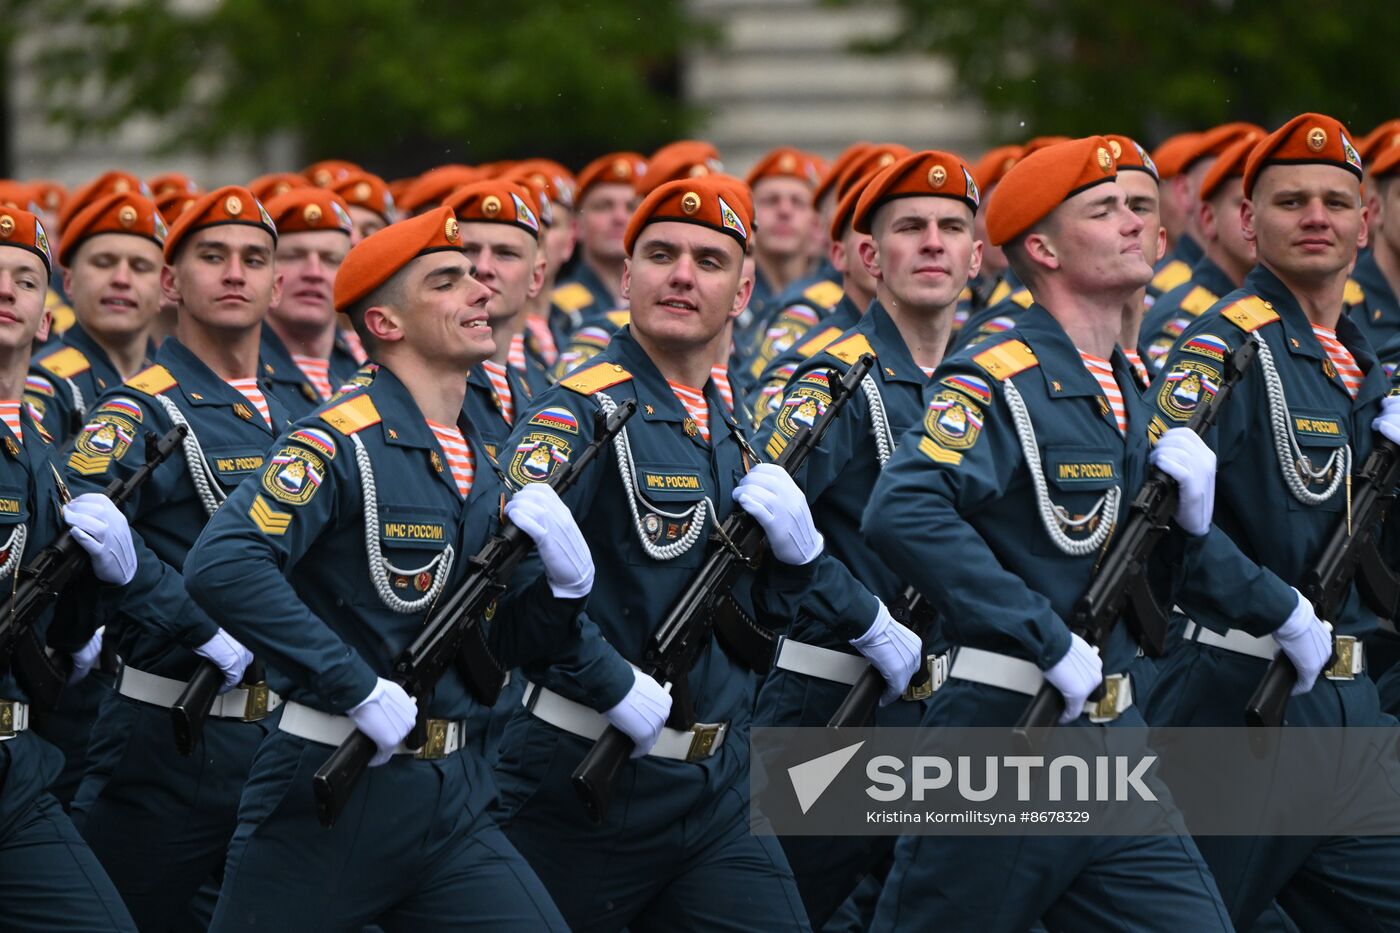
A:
[435,746]
[7,718]
[921,687]
[255,706]
[703,739]
[1344,667]
[1106,708]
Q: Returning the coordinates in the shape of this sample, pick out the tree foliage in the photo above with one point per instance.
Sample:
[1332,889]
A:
[1152,67]
[405,82]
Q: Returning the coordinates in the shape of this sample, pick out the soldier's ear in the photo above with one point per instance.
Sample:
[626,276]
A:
[869,256]
[742,294]
[1040,250]
[169,285]
[383,323]
[537,275]
[627,277]
[1247,219]
[974,265]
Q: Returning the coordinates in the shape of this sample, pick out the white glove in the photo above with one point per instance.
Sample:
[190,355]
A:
[538,511]
[387,716]
[85,658]
[1075,676]
[101,529]
[230,656]
[1388,421]
[1307,642]
[642,713]
[768,493]
[893,650]
[1181,454]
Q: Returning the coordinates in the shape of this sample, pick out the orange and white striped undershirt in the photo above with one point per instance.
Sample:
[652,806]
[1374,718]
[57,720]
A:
[1102,371]
[720,375]
[695,406]
[317,371]
[460,459]
[1139,367]
[357,347]
[544,338]
[517,352]
[500,385]
[248,388]
[9,413]
[1341,357]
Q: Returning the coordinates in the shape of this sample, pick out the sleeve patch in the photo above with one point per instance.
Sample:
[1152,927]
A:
[1207,345]
[1185,387]
[556,419]
[952,420]
[937,454]
[975,388]
[804,405]
[107,435]
[293,475]
[537,457]
[269,520]
[316,439]
[38,385]
[127,408]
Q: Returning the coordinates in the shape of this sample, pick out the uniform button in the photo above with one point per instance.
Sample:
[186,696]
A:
[617,368]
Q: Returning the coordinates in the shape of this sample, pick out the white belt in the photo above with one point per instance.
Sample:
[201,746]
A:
[444,737]
[842,668]
[697,743]
[246,704]
[1021,676]
[14,718]
[1351,654]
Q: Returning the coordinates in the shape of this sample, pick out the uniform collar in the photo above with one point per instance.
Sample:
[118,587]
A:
[203,387]
[1060,364]
[1211,277]
[402,424]
[1187,250]
[102,368]
[655,397]
[894,361]
[1373,282]
[585,276]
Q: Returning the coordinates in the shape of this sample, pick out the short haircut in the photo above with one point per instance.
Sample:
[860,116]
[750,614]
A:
[390,294]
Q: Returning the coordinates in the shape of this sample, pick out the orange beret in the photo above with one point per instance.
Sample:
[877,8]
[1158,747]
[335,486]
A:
[1386,163]
[429,189]
[17,194]
[615,168]
[327,171]
[1170,154]
[1229,164]
[496,201]
[367,190]
[267,187]
[854,176]
[557,181]
[1309,138]
[538,187]
[987,171]
[1215,141]
[838,164]
[685,158]
[114,182]
[1127,154]
[228,205]
[1037,143]
[171,181]
[1386,136]
[785,162]
[1042,181]
[309,210]
[127,213]
[376,258]
[174,203]
[720,202]
[921,174]
[22,229]
[49,195]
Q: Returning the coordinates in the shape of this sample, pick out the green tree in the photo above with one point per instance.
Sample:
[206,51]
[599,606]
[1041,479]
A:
[1152,67]
[402,84]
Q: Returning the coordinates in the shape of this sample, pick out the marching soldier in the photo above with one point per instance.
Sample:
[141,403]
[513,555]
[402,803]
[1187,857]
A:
[1377,271]
[303,357]
[368,199]
[1002,422]
[533,340]
[395,475]
[918,215]
[1316,389]
[49,879]
[160,822]
[987,172]
[1177,206]
[112,261]
[783,183]
[1137,176]
[560,236]
[857,286]
[676,845]
[1225,256]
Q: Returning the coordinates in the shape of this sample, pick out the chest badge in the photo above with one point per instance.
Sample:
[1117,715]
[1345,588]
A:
[243,411]
[1329,369]
[435,460]
[11,447]
[690,428]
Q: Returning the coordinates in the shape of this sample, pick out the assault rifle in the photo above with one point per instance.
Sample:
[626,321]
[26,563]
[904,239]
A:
[42,580]
[453,635]
[672,649]
[1121,583]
